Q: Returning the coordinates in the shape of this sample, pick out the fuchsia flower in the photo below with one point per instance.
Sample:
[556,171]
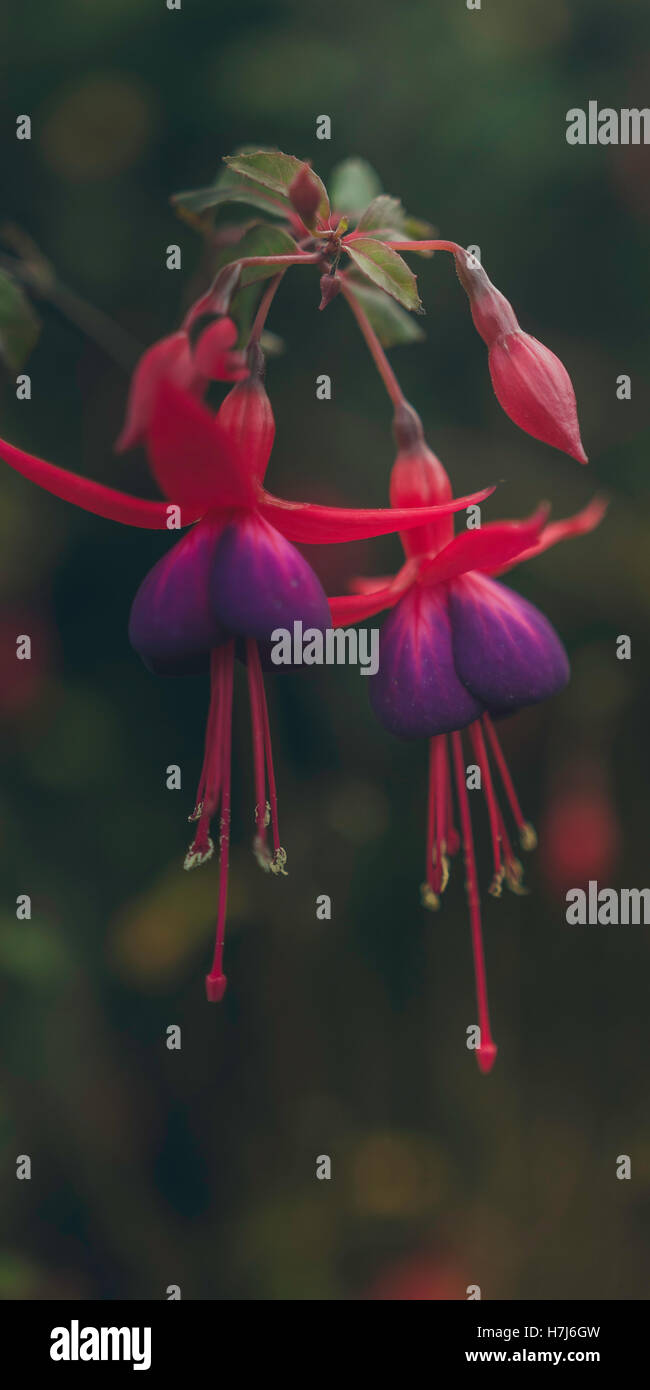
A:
[232,579]
[458,650]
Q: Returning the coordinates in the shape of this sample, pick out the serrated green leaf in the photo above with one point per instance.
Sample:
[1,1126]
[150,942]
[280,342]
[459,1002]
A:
[19,326]
[385,268]
[387,220]
[354,184]
[276,171]
[393,326]
[261,240]
[383,212]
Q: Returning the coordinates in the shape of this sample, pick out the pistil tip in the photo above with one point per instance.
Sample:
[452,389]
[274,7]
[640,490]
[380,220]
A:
[215,988]
[486,1056]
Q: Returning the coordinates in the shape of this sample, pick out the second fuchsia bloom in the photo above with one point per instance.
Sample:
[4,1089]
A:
[458,650]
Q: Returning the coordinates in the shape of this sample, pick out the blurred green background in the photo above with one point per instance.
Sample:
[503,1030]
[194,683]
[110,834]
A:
[347,1038]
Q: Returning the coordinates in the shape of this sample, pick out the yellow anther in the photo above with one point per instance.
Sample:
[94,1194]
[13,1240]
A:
[515,878]
[496,886]
[278,862]
[428,898]
[195,856]
[528,836]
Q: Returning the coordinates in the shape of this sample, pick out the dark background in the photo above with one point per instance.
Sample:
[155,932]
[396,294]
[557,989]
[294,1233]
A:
[346,1038]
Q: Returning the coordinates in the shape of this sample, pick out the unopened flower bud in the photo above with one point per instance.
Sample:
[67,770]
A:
[330,286]
[247,418]
[530,382]
[305,195]
[418,479]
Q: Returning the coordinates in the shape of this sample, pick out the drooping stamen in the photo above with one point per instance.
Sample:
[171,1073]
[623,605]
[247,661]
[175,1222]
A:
[278,862]
[480,753]
[215,982]
[443,796]
[262,806]
[428,894]
[487,1051]
[513,868]
[211,736]
[527,836]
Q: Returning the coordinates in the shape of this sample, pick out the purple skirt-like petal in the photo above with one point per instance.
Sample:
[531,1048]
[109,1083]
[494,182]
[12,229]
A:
[260,582]
[505,650]
[416,692]
[172,624]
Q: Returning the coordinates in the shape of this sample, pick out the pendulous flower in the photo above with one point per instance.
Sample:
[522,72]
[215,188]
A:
[233,579]
[458,650]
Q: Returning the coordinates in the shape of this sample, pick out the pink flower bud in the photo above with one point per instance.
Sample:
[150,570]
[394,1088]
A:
[418,479]
[535,390]
[305,195]
[530,382]
[246,417]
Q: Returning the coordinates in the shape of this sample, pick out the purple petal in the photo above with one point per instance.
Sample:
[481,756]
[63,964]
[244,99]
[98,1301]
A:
[260,582]
[172,625]
[416,692]
[505,650]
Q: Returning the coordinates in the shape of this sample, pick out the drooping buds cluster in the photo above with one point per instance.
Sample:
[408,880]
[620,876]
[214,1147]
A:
[530,382]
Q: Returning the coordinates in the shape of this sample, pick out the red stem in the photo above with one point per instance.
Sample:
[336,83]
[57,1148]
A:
[376,350]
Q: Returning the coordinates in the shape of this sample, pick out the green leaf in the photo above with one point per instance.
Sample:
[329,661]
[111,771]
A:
[276,171]
[200,199]
[231,187]
[19,326]
[383,212]
[393,326]
[385,268]
[354,184]
[261,240]
[386,219]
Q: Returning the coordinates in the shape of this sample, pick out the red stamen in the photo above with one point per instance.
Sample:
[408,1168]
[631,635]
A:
[526,833]
[486,1053]
[443,793]
[262,807]
[428,888]
[215,983]
[279,854]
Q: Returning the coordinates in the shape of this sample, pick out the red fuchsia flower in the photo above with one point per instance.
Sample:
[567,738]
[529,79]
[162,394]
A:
[458,650]
[232,580]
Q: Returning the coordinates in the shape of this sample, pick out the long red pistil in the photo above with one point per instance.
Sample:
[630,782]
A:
[487,1051]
